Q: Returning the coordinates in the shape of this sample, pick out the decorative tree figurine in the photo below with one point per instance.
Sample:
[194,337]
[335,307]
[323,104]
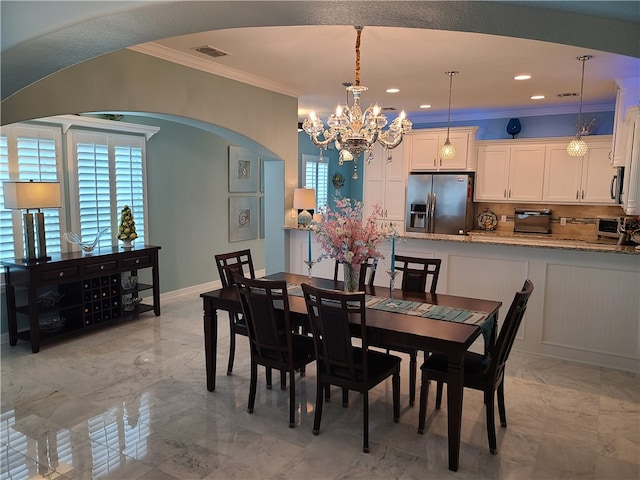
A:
[127,229]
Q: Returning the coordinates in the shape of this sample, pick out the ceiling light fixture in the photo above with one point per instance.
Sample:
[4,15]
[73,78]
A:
[537,97]
[578,147]
[448,151]
[522,77]
[425,105]
[392,90]
[352,130]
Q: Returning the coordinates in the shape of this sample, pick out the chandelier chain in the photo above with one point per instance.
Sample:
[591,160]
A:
[359,32]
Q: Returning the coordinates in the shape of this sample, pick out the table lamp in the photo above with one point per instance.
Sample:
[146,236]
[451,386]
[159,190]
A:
[32,196]
[304,199]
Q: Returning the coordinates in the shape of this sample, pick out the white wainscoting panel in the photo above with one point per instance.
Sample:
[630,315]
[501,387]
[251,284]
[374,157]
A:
[601,319]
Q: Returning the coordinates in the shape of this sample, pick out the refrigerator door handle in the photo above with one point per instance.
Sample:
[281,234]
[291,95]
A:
[428,213]
[432,213]
[613,180]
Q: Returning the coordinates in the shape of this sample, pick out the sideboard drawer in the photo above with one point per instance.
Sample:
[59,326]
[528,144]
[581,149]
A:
[102,267]
[66,272]
[137,261]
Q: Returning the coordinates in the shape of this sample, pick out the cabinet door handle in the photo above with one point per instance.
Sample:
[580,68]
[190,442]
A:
[577,193]
[509,193]
[582,194]
[61,274]
[435,162]
[440,162]
[137,261]
[101,267]
[505,193]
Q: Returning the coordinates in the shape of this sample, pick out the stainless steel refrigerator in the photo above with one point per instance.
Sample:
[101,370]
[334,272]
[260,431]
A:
[440,203]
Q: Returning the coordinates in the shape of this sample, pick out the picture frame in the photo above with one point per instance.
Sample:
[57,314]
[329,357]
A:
[262,232]
[243,170]
[243,218]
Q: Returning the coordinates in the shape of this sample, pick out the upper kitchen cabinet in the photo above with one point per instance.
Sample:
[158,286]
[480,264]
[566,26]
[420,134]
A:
[627,95]
[385,184]
[424,147]
[509,171]
[579,179]
[631,189]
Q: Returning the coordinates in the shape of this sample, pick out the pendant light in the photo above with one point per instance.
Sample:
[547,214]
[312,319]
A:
[448,151]
[578,147]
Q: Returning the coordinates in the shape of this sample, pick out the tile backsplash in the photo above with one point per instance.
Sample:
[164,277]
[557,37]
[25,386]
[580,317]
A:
[580,219]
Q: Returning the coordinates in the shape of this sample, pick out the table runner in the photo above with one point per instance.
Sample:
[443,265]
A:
[419,309]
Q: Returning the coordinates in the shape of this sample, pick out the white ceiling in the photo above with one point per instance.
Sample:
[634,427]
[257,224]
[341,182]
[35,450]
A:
[312,62]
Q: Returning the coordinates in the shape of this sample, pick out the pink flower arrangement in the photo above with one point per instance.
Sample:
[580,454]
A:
[346,236]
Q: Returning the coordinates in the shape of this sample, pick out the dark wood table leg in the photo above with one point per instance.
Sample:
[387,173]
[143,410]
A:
[210,343]
[34,321]
[156,285]
[455,389]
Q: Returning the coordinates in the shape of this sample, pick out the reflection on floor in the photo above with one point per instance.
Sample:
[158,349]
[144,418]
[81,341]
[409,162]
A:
[130,402]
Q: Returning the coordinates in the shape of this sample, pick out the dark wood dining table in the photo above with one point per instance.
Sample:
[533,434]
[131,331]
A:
[449,338]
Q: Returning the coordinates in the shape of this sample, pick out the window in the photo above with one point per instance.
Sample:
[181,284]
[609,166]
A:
[109,174]
[29,153]
[105,171]
[316,176]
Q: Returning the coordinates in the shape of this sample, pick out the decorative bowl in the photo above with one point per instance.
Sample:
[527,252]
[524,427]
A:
[86,247]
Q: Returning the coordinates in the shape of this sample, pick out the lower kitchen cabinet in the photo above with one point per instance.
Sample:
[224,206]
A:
[76,292]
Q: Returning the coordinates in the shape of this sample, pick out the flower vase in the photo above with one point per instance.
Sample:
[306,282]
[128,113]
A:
[126,244]
[351,277]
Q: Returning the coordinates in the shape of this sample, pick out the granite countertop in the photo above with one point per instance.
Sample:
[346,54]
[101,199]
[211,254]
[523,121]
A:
[524,240]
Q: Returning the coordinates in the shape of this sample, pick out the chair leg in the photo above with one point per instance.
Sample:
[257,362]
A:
[439,395]
[413,368]
[424,397]
[327,393]
[232,343]
[292,397]
[365,415]
[345,397]
[267,374]
[396,396]
[491,423]
[319,401]
[283,380]
[501,409]
[252,385]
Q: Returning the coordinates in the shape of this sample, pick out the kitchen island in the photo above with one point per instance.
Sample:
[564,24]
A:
[586,306]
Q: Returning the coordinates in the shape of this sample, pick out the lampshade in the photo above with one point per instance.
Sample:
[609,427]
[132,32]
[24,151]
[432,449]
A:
[304,199]
[30,195]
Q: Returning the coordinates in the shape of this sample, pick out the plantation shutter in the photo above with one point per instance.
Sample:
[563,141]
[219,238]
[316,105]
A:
[110,175]
[7,247]
[316,176]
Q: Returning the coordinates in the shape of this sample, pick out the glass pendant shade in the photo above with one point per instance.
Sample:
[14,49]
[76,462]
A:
[448,151]
[577,147]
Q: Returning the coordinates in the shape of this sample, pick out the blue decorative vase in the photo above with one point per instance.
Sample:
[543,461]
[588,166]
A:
[514,127]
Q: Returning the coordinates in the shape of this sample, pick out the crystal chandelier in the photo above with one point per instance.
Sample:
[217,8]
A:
[448,151]
[578,147]
[353,131]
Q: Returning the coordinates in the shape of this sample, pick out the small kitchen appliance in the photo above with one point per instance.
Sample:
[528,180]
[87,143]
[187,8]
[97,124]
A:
[532,221]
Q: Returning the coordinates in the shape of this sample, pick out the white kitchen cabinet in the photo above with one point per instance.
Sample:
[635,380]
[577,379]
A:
[627,94]
[579,179]
[631,189]
[508,172]
[424,149]
[385,184]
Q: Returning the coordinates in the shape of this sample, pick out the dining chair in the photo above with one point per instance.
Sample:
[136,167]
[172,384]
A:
[481,372]
[416,274]
[367,272]
[272,341]
[336,319]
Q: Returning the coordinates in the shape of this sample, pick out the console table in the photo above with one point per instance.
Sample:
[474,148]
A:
[76,292]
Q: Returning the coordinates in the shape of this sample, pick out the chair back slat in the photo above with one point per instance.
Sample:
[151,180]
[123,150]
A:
[332,316]
[416,272]
[499,353]
[234,263]
[265,305]
[367,272]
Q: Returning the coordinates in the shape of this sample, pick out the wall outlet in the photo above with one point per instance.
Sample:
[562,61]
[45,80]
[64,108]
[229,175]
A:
[503,218]
[563,221]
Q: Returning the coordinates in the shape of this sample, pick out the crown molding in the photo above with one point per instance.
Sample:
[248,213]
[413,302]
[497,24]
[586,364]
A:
[175,56]
[68,121]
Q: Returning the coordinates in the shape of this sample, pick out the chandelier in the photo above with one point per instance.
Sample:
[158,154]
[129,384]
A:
[354,131]
[578,147]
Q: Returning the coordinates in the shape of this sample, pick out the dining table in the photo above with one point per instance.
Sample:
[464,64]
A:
[450,338]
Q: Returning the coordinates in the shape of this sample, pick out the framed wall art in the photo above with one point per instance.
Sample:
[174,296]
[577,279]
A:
[243,218]
[243,170]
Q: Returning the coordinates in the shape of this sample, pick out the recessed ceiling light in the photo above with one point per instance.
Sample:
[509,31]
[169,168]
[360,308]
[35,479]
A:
[522,77]
[426,105]
[537,97]
[393,90]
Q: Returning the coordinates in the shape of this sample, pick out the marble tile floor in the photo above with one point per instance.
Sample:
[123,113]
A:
[130,402]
